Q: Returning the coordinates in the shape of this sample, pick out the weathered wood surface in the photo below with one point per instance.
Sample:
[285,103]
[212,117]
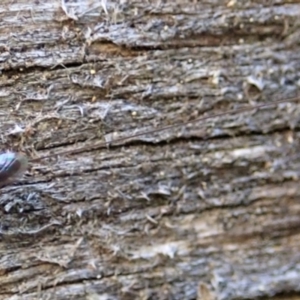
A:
[208,210]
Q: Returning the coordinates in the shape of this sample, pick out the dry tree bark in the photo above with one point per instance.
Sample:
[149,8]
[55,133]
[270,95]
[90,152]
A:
[208,210]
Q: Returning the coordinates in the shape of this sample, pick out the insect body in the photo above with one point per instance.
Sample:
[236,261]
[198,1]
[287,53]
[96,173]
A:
[11,165]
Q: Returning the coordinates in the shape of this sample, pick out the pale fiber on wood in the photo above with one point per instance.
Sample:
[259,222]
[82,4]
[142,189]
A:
[208,210]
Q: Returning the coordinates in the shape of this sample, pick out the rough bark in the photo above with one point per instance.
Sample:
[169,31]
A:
[208,210]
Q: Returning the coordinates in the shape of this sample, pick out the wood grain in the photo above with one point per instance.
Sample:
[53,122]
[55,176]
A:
[208,210]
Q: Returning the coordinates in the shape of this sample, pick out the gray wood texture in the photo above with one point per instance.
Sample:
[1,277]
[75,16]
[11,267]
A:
[206,210]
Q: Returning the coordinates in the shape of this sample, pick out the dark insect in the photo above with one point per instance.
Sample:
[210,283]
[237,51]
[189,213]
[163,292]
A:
[11,165]
[14,164]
